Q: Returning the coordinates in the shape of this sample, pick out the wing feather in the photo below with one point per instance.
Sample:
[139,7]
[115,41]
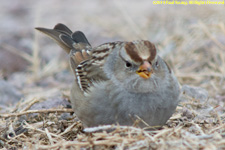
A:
[86,62]
[91,70]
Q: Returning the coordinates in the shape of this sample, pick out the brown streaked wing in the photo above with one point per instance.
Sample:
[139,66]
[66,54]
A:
[90,71]
[76,57]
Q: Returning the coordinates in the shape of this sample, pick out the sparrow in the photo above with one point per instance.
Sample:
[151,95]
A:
[117,82]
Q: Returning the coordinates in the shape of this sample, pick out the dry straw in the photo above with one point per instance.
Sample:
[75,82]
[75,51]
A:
[194,49]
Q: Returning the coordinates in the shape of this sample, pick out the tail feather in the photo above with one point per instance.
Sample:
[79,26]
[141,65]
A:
[75,44]
[61,27]
[55,35]
[67,40]
[79,37]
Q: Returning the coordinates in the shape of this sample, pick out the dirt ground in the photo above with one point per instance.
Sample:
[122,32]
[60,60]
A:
[35,78]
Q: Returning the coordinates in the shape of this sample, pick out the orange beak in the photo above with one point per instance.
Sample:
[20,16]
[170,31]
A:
[145,70]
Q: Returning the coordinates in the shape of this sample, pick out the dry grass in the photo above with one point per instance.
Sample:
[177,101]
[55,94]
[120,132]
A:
[192,42]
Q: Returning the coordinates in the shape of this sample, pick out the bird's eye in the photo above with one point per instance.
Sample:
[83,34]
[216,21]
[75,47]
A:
[156,64]
[128,65]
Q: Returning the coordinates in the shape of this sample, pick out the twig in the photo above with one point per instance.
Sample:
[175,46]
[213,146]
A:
[28,126]
[106,127]
[195,75]
[206,30]
[75,143]
[217,128]
[15,51]
[68,129]
[49,136]
[30,104]
[36,111]
[161,133]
